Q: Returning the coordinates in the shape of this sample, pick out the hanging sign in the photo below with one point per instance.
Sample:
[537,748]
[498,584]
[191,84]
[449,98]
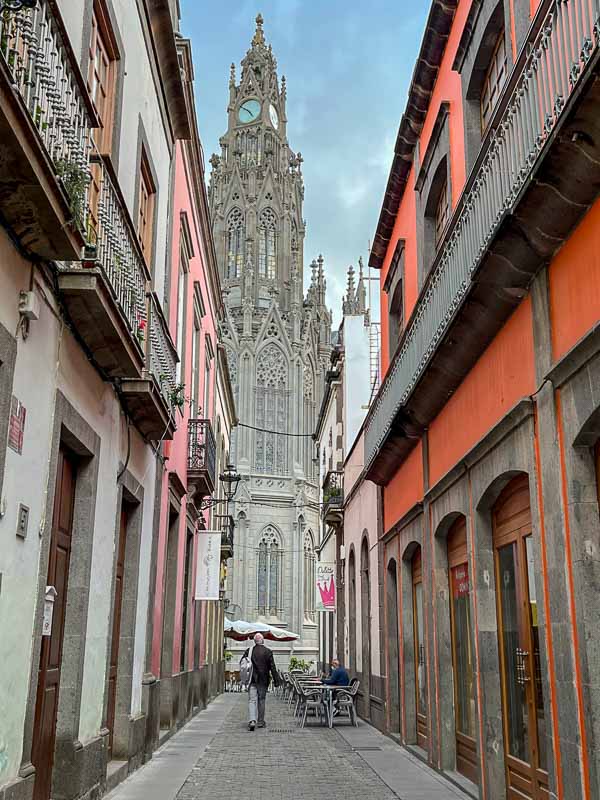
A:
[325,594]
[208,568]
[460,581]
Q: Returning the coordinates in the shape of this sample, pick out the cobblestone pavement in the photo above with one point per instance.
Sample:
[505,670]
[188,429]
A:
[215,757]
[284,762]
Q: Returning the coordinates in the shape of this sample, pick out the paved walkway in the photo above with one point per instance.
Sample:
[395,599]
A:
[215,757]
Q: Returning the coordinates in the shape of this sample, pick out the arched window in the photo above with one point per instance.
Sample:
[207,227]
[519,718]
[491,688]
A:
[267,244]
[269,573]
[271,411]
[235,243]
[309,576]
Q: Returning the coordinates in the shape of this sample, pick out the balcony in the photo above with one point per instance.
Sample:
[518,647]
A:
[45,121]
[105,295]
[226,524]
[537,173]
[152,400]
[333,499]
[201,458]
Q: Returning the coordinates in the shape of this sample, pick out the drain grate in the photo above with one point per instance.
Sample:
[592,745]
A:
[365,749]
[282,730]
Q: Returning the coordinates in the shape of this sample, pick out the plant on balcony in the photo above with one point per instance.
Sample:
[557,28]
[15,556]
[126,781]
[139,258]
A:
[177,396]
[75,180]
[141,331]
[330,492]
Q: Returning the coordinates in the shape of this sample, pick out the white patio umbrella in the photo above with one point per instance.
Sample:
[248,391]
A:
[240,630]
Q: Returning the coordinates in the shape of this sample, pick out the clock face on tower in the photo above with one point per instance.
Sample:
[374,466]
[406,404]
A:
[249,111]
[274,116]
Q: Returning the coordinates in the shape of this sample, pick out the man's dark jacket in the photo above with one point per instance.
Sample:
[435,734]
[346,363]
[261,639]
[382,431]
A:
[339,677]
[263,666]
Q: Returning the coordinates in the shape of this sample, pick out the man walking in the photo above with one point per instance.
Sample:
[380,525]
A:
[263,667]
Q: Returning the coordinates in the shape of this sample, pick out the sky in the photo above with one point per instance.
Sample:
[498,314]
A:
[348,67]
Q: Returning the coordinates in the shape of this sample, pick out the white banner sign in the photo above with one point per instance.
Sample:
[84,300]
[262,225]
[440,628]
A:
[325,594]
[208,571]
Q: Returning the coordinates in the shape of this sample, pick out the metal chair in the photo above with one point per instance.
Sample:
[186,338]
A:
[345,702]
[311,700]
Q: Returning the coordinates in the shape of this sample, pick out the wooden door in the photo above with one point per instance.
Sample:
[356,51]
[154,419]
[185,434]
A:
[46,708]
[419,647]
[462,656]
[523,711]
[116,629]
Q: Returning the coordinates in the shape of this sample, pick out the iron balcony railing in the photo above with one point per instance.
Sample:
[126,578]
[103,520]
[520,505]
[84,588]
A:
[161,355]
[46,76]
[568,37]
[225,523]
[333,491]
[201,447]
[115,248]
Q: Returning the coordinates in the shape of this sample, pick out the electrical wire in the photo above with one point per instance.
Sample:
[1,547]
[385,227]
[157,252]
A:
[276,433]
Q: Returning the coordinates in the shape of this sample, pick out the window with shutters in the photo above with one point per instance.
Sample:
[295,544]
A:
[102,73]
[494,80]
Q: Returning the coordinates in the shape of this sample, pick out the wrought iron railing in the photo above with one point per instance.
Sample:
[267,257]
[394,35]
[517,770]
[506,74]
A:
[44,73]
[115,248]
[333,490]
[161,355]
[225,523]
[568,37]
[201,447]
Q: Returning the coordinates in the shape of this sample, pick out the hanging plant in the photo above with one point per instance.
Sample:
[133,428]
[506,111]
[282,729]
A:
[141,331]
[75,179]
[178,396]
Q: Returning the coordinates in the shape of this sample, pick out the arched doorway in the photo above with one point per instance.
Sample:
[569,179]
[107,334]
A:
[352,611]
[365,627]
[524,715]
[462,654]
[393,646]
[419,650]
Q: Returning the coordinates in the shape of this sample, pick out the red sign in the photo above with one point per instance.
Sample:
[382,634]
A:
[460,581]
[16,425]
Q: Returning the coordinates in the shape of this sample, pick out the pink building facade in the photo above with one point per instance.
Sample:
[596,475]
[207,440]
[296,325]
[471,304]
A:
[185,657]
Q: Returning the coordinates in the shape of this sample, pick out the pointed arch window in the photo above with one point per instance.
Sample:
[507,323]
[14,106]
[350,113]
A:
[271,411]
[269,573]
[235,243]
[309,577]
[267,244]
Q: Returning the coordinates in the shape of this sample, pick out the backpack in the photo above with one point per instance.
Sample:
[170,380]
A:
[246,668]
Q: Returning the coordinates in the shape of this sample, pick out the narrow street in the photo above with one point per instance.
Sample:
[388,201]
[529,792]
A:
[215,757]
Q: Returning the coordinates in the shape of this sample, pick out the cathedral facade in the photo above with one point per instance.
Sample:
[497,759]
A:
[278,343]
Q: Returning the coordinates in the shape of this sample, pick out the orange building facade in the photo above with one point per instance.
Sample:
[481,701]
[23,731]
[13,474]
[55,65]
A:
[485,434]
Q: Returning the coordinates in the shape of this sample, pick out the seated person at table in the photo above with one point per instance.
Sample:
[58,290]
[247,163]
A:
[339,676]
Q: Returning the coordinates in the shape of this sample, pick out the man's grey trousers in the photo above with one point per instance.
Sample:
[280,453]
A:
[256,703]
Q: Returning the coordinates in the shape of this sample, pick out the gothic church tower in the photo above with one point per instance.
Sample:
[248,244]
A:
[278,343]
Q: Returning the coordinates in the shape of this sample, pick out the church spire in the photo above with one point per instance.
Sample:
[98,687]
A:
[361,291]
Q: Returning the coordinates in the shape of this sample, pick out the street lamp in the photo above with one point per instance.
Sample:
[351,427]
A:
[230,480]
[16,5]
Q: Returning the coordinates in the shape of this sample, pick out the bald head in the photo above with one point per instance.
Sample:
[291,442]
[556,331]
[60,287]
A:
[259,638]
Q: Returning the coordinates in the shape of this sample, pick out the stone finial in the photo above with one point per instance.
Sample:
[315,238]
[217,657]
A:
[232,76]
[349,304]
[361,291]
[215,161]
[259,36]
